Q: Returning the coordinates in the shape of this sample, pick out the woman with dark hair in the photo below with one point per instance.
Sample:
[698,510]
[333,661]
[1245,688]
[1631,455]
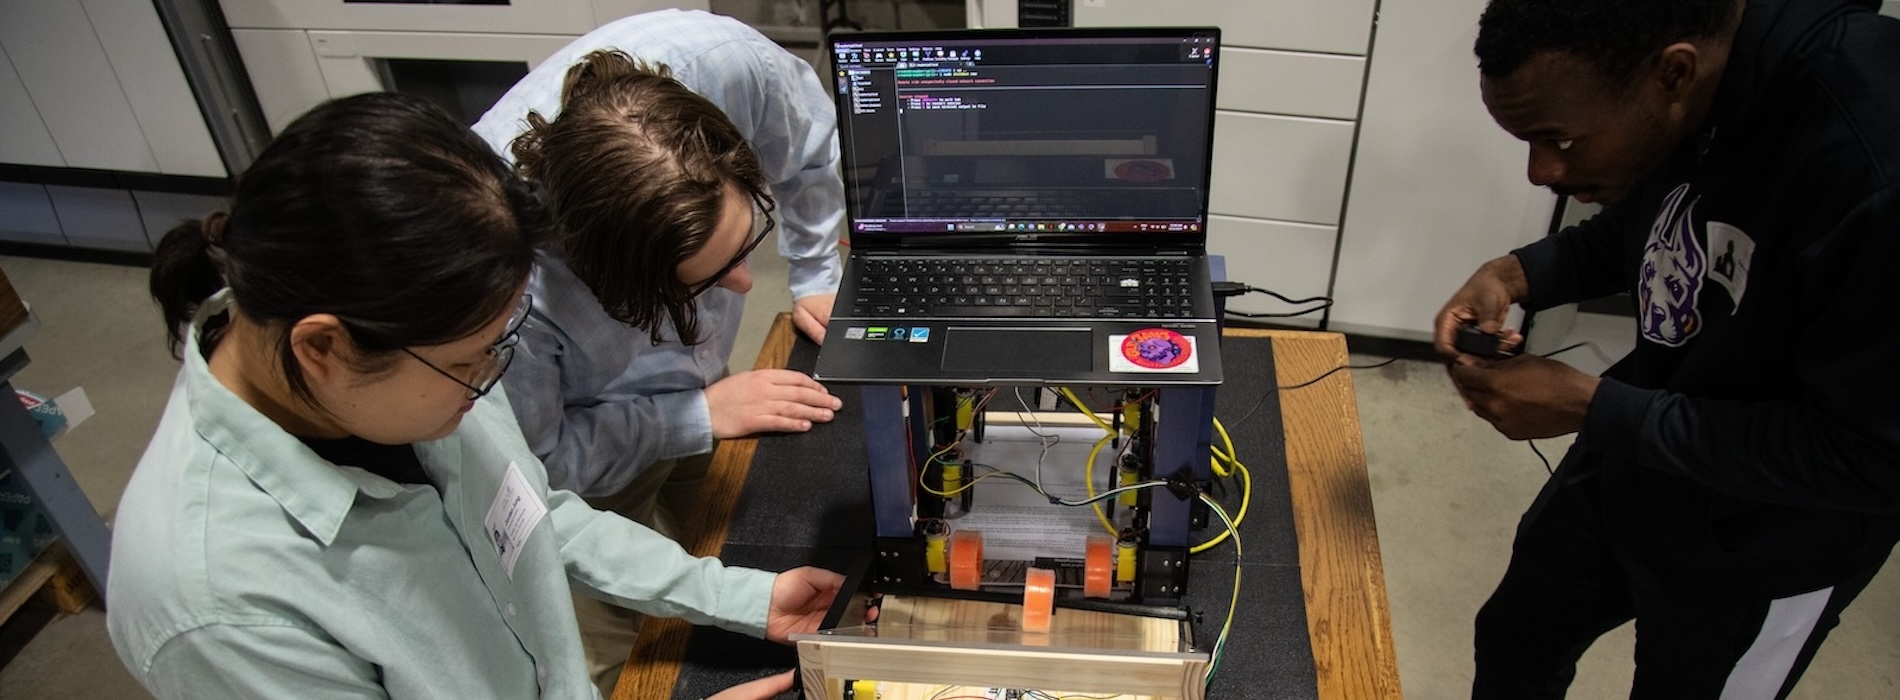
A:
[335,504]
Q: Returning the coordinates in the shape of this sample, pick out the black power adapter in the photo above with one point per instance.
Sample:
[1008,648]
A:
[1472,341]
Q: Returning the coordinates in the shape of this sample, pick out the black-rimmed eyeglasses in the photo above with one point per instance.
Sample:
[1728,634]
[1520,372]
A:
[762,225]
[499,354]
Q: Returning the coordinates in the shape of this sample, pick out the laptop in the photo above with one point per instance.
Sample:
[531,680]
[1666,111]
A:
[1025,207]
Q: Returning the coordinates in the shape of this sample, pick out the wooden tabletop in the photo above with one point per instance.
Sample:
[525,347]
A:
[1340,569]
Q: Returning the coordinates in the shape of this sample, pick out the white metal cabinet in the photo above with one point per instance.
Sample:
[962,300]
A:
[345,58]
[293,70]
[24,139]
[1297,258]
[543,16]
[283,71]
[1278,168]
[104,88]
[302,52]
[1321,26]
[154,84]
[64,68]
[1290,83]
[1437,187]
[573,17]
[1289,94]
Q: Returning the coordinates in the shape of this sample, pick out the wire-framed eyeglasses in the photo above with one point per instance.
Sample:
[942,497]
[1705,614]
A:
[499,354]
[762,225]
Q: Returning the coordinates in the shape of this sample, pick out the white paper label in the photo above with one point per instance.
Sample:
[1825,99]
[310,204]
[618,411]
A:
[1731,252]
[512,517]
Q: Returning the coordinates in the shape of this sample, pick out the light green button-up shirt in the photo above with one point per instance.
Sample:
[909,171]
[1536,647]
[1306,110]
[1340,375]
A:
[244,565]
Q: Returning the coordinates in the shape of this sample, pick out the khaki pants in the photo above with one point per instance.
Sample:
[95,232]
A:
[659,498]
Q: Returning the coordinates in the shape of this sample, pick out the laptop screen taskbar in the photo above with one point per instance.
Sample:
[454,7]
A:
[875,226]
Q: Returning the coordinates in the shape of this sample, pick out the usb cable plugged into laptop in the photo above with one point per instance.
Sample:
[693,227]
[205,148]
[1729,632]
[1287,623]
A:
[1233,289]
[1230,289]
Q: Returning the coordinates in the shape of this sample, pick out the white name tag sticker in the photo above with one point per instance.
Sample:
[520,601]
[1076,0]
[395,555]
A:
[512,517]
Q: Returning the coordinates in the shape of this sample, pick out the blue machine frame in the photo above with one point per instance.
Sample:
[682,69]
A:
[896,431]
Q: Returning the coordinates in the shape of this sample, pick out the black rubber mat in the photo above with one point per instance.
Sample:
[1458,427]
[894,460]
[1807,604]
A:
[807,501]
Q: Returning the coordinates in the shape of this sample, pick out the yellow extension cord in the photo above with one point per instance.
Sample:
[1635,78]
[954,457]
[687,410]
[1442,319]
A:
[1221,470]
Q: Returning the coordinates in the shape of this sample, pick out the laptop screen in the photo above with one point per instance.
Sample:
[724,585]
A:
[1050,133]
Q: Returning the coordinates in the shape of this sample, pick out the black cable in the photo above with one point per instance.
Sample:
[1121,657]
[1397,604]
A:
[1540,454]
[1234,289]
[1533,443]
[1237,289]
[1263,396]
[1566,348]
[1284,314]
[1400,356]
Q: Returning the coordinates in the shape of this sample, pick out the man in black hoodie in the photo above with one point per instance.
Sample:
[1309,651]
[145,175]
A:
[1735,479]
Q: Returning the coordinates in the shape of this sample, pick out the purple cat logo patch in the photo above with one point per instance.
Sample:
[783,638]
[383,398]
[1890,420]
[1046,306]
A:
[1671,277]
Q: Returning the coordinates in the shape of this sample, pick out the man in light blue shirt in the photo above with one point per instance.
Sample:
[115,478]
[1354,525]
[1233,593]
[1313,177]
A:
[599,399]
[665,143]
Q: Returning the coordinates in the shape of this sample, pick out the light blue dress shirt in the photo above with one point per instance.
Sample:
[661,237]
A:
[597,400]
[244,565]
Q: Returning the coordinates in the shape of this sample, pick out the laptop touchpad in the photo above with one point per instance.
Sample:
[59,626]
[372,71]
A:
[1010,352]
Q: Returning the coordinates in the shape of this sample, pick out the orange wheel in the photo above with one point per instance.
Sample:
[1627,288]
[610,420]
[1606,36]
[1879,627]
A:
[966,560]
[1099,566]
[1039,599]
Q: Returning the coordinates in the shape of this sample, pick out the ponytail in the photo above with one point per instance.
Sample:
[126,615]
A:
[185,271]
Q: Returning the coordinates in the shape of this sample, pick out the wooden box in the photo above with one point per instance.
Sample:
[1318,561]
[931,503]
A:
[925,648]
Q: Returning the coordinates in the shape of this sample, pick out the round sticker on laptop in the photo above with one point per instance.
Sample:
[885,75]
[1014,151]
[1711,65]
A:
[1144,171]
[1157,348]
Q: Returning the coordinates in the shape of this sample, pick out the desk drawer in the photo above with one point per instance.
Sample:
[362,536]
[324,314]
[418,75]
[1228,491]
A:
[1326,26]
[1288,258]
[1284,168]
[1283,82]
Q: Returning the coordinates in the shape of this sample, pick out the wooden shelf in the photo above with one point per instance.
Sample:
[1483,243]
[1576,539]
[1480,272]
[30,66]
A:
[54,579]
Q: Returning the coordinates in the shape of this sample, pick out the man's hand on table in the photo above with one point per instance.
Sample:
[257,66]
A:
[768,401]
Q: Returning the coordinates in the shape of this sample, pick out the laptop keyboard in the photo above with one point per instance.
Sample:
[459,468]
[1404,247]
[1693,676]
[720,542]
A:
[1024,287]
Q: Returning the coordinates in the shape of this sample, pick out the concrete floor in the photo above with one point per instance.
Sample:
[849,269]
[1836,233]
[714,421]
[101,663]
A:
[1447,489]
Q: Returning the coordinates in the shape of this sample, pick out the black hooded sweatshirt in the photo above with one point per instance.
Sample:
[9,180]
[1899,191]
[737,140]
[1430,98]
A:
[1757,423]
